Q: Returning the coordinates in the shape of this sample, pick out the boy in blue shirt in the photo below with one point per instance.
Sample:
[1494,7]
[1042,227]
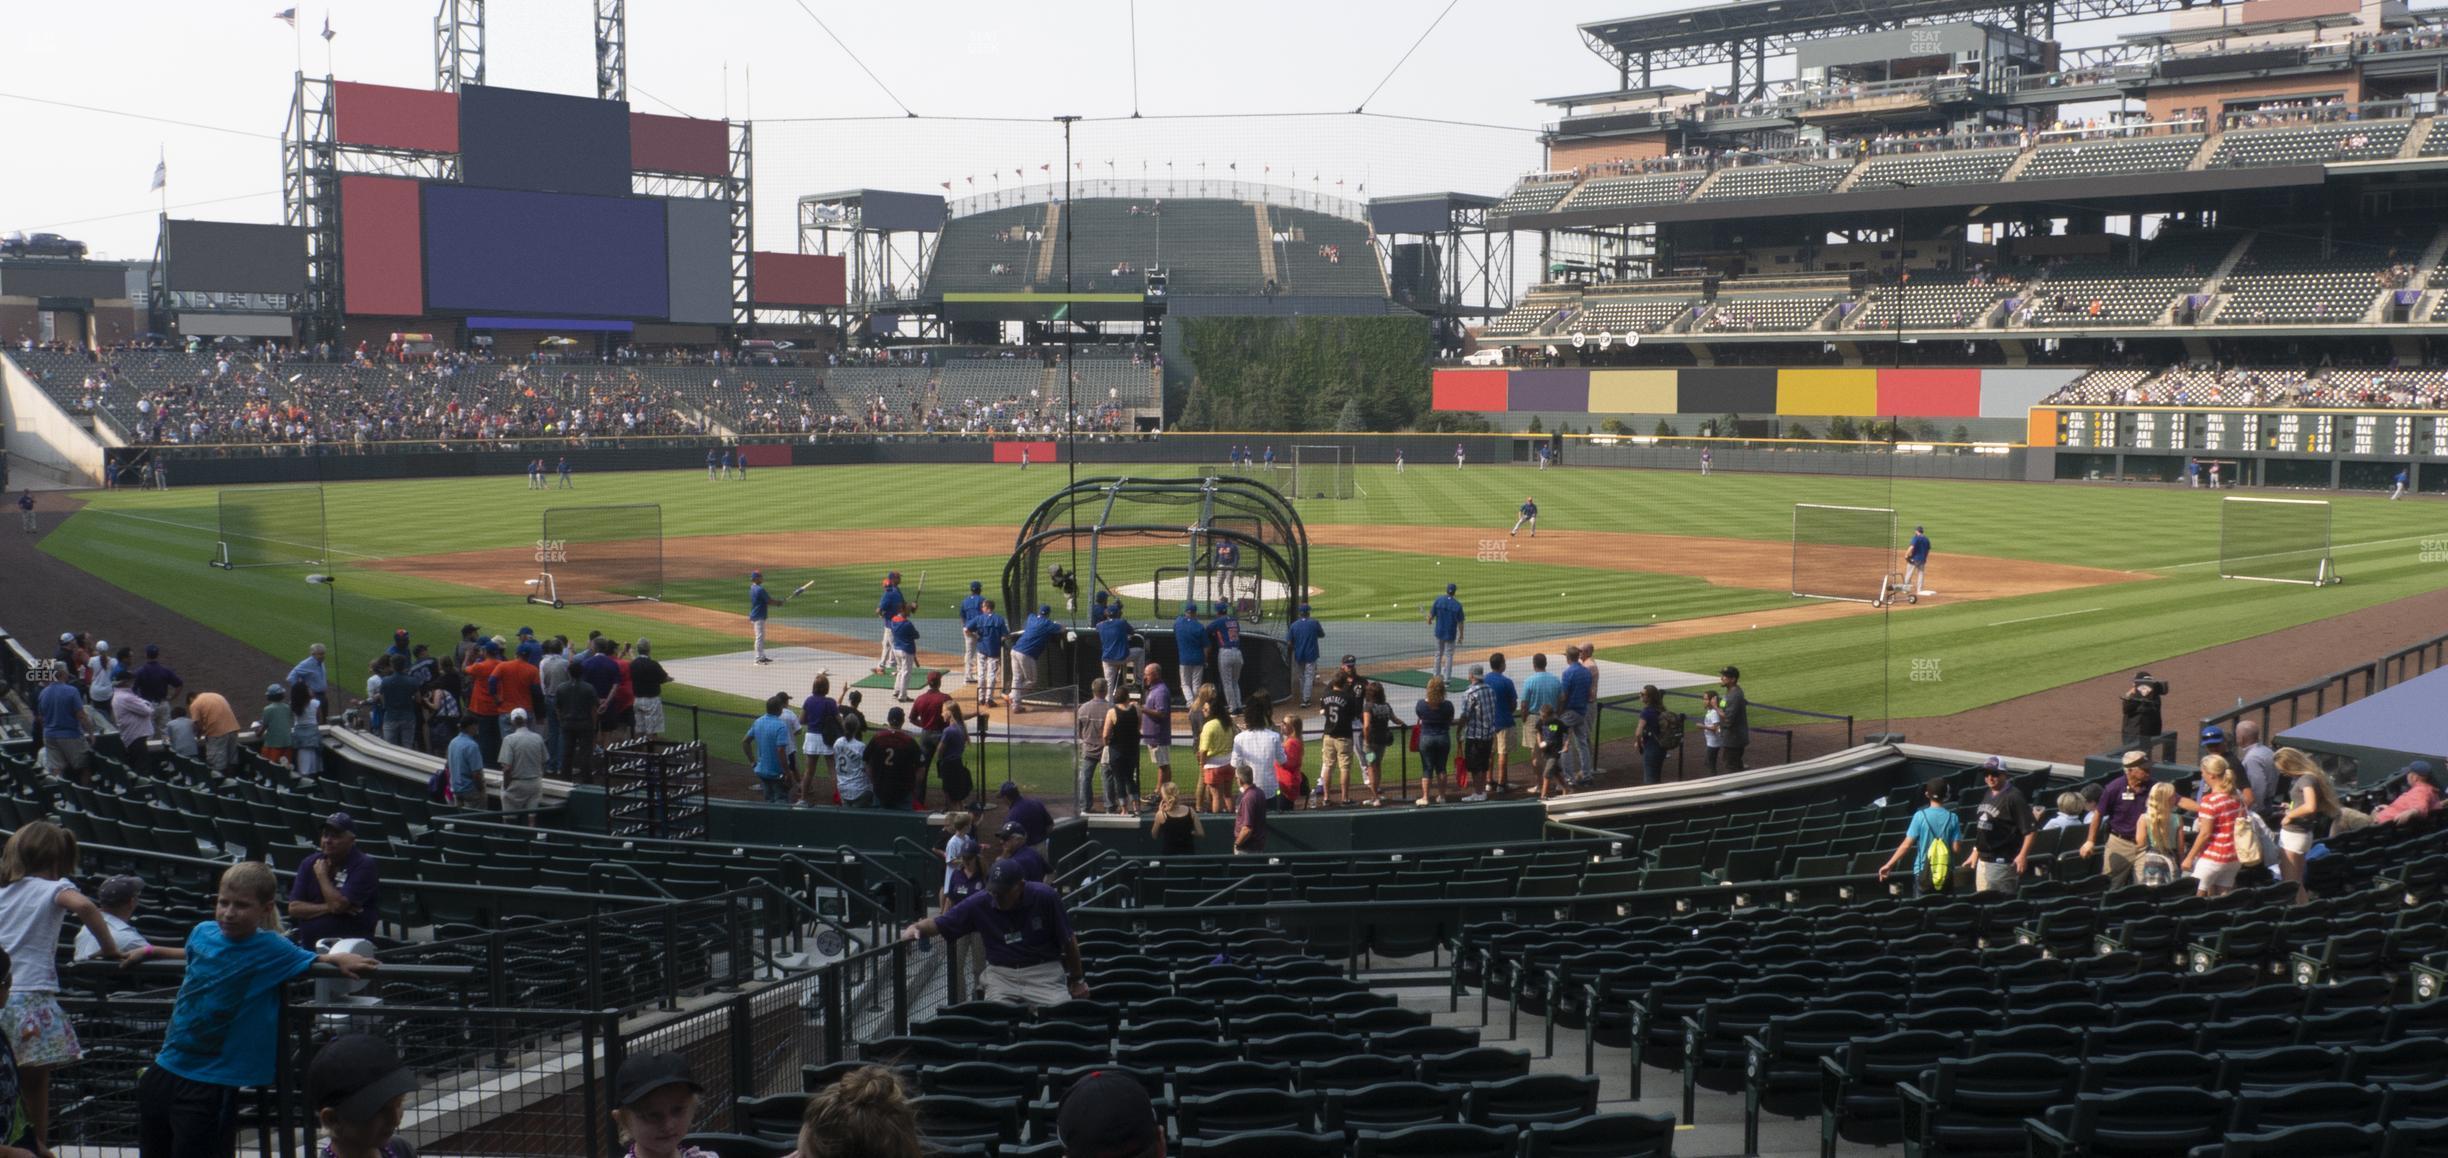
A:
[767,739]
[1935,824]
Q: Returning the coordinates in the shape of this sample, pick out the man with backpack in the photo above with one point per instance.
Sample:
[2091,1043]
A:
[1934,838]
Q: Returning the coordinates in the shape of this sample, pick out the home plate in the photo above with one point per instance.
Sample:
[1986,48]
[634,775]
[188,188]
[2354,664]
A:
[1181,588]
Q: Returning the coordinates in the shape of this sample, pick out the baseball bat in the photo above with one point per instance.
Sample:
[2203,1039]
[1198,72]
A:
[918,594]
[799,590]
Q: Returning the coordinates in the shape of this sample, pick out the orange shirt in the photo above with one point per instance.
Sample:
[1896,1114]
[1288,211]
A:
[480,698]
[212,715]
[516,680]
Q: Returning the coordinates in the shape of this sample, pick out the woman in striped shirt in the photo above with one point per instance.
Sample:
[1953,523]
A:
[2212,860]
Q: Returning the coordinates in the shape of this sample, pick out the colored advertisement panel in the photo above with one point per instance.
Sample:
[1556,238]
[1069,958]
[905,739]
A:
[1037,451]
[1548,390]
[1726,390]
[698,259]
[766,454]
[384,117]
[1911,393]
[515,139]
[2012,393]
[800,279]
[2042,428]
[1632,392]
[544,253]
[382,256]
[1467,390]
[679,144]
[235,257]
[1821,390]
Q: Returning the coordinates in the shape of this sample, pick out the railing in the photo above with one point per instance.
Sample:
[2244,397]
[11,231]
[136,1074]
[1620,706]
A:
[1693,736]
[2405,663]
[2287,116]
[1216,183]
[2335,690]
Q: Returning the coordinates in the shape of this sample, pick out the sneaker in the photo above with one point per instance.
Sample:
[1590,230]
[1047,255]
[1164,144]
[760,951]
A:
[1474,798]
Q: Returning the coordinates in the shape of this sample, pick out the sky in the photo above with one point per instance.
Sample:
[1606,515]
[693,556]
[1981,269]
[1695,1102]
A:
[1217,87]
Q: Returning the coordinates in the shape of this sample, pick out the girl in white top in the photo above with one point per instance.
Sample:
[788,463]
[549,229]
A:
[1259,747]
[34,891]
[850,781]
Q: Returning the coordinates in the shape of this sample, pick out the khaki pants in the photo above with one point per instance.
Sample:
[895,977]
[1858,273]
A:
[1030,985]
[1496,762]
[2117,863]
[1992,877]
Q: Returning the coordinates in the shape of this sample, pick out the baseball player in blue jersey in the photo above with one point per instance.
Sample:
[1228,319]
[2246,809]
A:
[986,633]
[1445,623]
[1224,635]
[1916,563]
[2398,492]
[566,484]
[1270,456]
[1036,634]
[1190,649]
[1458,456]
[969,605]
[1113,646]
[888,605]
[711,456]
[1303,634]
[905,654]
[535,475]
[1227,563]
[1529,515]
[758,606]
[743,464]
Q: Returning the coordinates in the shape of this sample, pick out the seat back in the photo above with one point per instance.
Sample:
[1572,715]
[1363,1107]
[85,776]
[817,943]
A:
[1440,1141]
[1601,1136]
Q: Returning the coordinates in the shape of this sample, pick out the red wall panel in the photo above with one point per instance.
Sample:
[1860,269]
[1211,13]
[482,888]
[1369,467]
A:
[800,279]
[766,454]
[395,118]
[679,144]
[1038,452]
[1468,389]
[1928,393]
[382,251]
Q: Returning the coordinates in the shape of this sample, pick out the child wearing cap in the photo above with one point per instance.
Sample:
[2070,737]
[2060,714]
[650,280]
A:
[655,1105]
[278,725]
[359,1091]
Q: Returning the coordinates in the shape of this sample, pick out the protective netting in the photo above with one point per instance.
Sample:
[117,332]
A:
[1153,542]
[1842,552]
[2283,540]
[270,527]
[1323,472]
[599,554]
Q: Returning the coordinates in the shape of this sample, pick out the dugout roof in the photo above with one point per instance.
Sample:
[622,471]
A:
[2383,731]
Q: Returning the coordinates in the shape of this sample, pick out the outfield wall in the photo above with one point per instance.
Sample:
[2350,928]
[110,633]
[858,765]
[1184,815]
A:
[1931,392]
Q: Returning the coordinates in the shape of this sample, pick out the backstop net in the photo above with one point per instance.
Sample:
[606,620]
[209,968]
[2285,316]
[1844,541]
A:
[2276,540]
[269,527]
[603,554]
[1843,552]
[1322,472]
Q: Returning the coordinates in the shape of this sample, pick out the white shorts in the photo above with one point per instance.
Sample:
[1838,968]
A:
[2298,843]
[2215,874]
[1160,754]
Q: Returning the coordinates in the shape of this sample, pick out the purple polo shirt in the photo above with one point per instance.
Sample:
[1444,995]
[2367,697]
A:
[2122,807]
[1032,932]
[357,879]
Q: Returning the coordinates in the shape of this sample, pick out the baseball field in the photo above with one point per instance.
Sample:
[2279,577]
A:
[2037,586]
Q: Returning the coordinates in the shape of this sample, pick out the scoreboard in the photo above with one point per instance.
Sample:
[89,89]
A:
[2394,434]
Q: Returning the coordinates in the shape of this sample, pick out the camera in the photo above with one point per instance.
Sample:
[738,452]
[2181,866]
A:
[2157,686]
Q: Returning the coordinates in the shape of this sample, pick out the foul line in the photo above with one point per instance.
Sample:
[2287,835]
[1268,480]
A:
[2038,618]
[211,530]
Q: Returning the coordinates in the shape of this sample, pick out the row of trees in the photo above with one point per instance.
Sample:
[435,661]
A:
[1306,373]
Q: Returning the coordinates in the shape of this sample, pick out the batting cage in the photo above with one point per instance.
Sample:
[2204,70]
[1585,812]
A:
[603,554]
[1843,552]
[1323,472]
[2275,540]
[1150,545]
[270,527]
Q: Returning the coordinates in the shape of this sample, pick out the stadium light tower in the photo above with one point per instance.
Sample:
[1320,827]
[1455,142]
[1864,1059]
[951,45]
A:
[331,601]
[459,44]
[611,50]
[1070,376]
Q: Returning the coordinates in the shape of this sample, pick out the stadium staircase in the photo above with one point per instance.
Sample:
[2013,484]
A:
[2014,172]
[2418,139]
[1266,247]
[2201,156]
[2218,277]
[1052,232]
[2432,256]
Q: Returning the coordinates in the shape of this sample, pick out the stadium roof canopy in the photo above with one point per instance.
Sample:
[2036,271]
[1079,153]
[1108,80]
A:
[1715,33]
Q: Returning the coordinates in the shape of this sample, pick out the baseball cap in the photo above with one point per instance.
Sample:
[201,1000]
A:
[518,715]
[1478,669]
[153,650]
[1190,608]
[1219,607]
[398,633]
[67,637]
[102,645]
[1011,828]
[117,890]
[892,576]
[1916,528]
[1003,875]
[276,690]
[1009,791]
[1045,609]
[1108,1115]
[643,1074]
[1730,671]
[975,586]
[1304,609]
[1993,764]
[756,574]
[2214,735]
[340,822]
[465,628]
[527,632]
[1450,588]
[2137,758]
[1350,659]
[356,1075]
[2421,766]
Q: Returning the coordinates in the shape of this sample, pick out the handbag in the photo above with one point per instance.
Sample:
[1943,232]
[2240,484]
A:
[2252,839]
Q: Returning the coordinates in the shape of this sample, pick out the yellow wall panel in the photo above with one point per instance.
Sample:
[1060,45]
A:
[1632,392]
[1823,390]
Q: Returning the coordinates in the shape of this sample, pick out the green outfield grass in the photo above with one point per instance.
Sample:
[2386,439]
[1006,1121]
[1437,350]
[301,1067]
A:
[156,543]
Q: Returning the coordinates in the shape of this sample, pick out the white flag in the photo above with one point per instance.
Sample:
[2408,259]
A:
[161,174]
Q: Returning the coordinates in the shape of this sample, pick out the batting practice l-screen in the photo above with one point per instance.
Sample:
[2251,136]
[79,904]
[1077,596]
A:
[269,527]
[1322,472]
[2276,540]
[1843,552]
[600,554]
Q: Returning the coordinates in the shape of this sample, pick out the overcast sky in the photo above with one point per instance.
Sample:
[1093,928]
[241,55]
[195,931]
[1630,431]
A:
[225,68]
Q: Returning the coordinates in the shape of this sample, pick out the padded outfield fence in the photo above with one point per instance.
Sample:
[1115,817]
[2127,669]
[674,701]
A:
[1843,552]
[269,527]
[2275,540]
[599,554]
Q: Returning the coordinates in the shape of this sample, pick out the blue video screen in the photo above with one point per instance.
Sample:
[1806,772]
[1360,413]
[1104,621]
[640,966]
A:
[513,251]
[515,139]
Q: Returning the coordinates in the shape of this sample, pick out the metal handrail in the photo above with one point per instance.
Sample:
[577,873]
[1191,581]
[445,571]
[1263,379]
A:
[859,856]
[602,868]
[848,893]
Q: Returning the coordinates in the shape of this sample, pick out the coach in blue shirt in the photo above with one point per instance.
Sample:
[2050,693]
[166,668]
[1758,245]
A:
[1190,647]
[989,631]
[1036,634]
[760,605]
[1505,698]
[1224,634]
[1445,623]
[1113,646]
[1303,634]
[970,651]
[1573,711]
[889,604]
